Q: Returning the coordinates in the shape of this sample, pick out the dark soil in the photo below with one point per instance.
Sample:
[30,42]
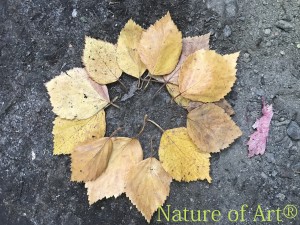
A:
[39,39]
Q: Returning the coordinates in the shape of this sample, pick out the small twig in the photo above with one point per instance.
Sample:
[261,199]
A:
[298,172]
[148,82]
[123,85]
[115,131]
[143,127]
[154,123]
[112,103]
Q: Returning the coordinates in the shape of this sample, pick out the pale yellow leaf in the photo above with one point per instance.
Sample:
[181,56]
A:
[189,46]
[74,96]
[126,153]
[207,76]
[67,134]
[160,46]
[211,129]
[90,160]
[181,158]
[127,55]
[148,186]
[100,60]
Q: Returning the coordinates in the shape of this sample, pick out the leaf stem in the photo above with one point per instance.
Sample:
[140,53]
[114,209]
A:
[154,123]
[143,127]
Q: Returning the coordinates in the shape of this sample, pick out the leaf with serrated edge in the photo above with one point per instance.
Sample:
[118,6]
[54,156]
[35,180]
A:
[181,158]
[67,134]
[207,76]
[75,96]
[160,46]
[211,129]
[126,153]
[100,60]
[190,105]
[221,103]
[127,55]
[189,46]
[148,186]
[90,160]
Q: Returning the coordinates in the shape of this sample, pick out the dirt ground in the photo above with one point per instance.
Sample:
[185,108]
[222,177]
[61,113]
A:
[40,38]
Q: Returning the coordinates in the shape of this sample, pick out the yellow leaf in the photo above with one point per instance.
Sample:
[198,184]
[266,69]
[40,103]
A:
[211,129]
[207,76]
[148,186]
[127,54]
[189,46]
[181,158]
[69,133]
[190,105]
[74,96]
[173,89]
[90,160]
[126,153]
[100,60]
[160,46]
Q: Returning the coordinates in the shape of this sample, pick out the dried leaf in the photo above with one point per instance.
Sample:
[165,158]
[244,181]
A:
[189,46]
[90,160]
[126,153]
[190,105]
[100,60]
[181,158]
[70,133]
[74,96]
[221,103]
[258,140]
[173,89]
[148,186]
[211,129]
[160,46]
[127,54]
[207,76]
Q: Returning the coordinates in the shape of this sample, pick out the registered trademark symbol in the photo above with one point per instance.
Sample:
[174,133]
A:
[290,211]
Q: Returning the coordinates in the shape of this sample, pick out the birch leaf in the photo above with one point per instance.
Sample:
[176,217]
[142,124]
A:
[74,96]
[90,160]
[181,158]
[126,153]
[148,186]
[173,89]
[127,54]
[70,133]
[100,60]
[207,76]
[160,46]
[258,140]
[211,129]
[189,46]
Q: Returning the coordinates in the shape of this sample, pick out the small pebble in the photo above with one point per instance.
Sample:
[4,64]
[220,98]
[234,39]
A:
[282,52]
[298,45]
[293,131]
[247,57]
[268,44]
[267,31]
[280,196]
[264,175]
[227,31]
[284,25]
[74,13]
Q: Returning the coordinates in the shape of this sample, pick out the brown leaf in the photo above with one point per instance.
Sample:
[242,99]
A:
[147,186]
[126,153]
[211,129]
[90,160]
